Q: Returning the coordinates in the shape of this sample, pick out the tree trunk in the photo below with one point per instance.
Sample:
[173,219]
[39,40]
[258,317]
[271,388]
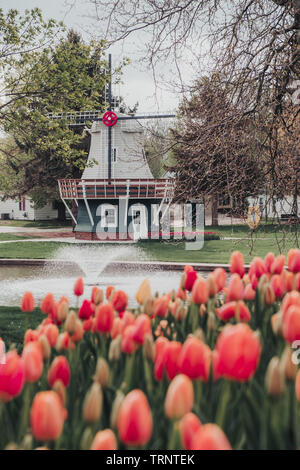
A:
[61,211]
[214,211]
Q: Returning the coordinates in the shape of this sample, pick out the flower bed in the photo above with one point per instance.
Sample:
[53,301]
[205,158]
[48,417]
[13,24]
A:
[211,365]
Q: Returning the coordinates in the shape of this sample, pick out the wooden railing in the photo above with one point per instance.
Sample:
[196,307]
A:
[115,188]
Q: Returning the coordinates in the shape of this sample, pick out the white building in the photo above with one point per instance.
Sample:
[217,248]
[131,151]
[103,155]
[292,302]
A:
[280,208]
[23,209]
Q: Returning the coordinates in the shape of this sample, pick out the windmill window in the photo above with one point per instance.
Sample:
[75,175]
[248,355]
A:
[108,216]
[22,204]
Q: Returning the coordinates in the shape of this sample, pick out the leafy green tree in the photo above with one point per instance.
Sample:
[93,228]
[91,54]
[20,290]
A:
[68,77]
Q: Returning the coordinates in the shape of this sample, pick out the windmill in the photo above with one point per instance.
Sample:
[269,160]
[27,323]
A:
[116,196]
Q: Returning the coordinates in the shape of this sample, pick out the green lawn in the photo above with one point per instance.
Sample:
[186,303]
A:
[45,224]
[13,236]
[215,251]
[13,324]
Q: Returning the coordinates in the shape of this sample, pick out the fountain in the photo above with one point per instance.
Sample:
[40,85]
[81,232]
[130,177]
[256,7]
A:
[95,263]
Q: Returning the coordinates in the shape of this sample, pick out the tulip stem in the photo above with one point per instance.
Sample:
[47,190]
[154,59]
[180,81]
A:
[222,408]
[25,414]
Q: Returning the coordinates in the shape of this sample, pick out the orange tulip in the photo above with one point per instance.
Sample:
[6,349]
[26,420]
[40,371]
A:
[180,397]
[235,288]
[51,332]
[87,324]
[79,287]
[278,265]
[188,427]
[237,353]
[59,369]
[134,421]
[210,437]
[109,292]
[47,416]
[220,277]
[237,263]
[97,295]
[297,385]
[200,292]
[104,440]
[257,268]
[104,318]
[47,304]
[78,334]
[63,341]
[116,328]
[249,292]
[194,359]
[294,261]
[33,361]
[12,376]
[291,298]
[27,304]
[291,324]
[119,300]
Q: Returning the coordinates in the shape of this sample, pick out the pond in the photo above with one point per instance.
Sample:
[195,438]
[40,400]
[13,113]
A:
[93,263]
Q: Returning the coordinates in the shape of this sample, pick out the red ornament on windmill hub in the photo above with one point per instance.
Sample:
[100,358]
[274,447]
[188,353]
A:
[109,118]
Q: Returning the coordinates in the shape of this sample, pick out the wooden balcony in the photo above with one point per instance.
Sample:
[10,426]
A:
[116,188]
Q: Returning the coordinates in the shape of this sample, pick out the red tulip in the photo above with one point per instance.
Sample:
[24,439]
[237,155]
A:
[142,327]
[85,311]
[104,318]
[79,287]
[87,324]
[210,437]
[63,341]
[220,277]
[12,376]
[269,259]
[47,416]
[116,328]
[161,306]
[237,353]
[128,344]
[278,285]
[239,310]
[127,319]
[188,427]
[59,369]
[237,263]
[278,265]
[257,268]
[104,440]
[294,261]
[194,359]
[33,361]
[47,304]
[167,361]
[200,292]
[134,421]
[191,277]
[52,332]
[180,397]
[160,344]
[31,335]
[27,304]
[119,300]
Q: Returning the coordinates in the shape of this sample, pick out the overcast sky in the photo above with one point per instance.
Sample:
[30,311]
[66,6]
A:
[138,84]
